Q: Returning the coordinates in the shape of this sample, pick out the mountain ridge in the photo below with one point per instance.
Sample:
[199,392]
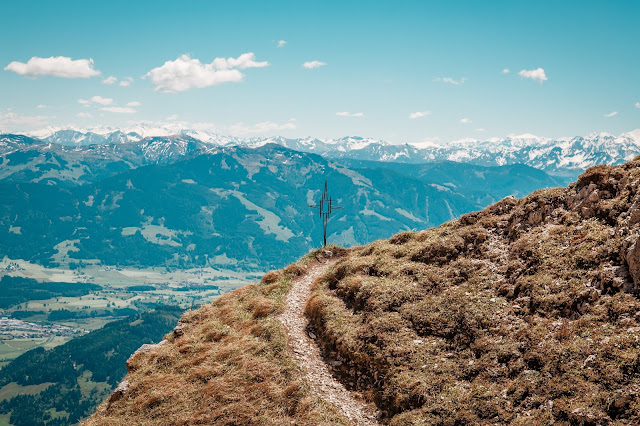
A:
[234,201]
[525,312]
[562,156]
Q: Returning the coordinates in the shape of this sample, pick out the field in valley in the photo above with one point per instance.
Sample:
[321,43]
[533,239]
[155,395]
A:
[27,325]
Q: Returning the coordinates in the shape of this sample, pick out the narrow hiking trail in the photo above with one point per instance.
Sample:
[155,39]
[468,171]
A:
[307,354]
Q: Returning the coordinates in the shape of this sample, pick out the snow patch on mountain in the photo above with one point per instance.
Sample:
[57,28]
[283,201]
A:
[568,155]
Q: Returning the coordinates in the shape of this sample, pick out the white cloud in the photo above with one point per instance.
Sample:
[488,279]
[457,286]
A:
[535,75]
[506,71]
[100,100]
[451,80]
[12,121]
[95,100]
[350,114]
[313,64]
[107,104]
[84,115]
[172,117]
[281,43]
[465,121]
[125,82]
[119,110]
[239,129]
[637,104]
[185,73]
[41,106]
[57,66]
[244,61]
[419,114]
[611,114]
[480,129]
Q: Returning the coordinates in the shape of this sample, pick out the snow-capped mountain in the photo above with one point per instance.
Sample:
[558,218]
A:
[559,156]
[563,156]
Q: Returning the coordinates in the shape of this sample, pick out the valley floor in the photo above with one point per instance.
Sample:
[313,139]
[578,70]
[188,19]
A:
[124,291]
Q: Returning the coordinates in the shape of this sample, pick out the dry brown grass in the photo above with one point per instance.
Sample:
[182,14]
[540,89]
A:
[230,365]
[524,313]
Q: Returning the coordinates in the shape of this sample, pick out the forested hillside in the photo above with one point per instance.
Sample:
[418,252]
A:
[239,206]
[62,385]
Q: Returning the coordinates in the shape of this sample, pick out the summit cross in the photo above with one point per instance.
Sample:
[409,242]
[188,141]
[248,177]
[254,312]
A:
[325,208]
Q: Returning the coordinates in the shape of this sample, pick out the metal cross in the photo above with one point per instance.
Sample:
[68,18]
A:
[325,208]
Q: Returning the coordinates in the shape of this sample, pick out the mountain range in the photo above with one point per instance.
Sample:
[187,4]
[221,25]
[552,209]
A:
[232,205]
[139,197]
[566,156]
[192,199]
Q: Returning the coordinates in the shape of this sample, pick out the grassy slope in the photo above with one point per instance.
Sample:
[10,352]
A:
[228,365]
[515,314]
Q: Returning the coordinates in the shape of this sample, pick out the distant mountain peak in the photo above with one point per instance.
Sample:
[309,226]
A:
[566,156]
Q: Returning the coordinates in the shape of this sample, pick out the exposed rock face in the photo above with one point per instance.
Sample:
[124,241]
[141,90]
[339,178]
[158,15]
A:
[118,392]
[632,257]
[142,350]
[179,330]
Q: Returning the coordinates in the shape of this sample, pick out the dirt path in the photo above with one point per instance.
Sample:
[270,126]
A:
[307,354]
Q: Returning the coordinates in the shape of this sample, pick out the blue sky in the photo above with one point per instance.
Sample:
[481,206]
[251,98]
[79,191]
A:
[570,63]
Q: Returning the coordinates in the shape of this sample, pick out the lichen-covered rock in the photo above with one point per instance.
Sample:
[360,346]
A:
[119,392]
[178,330]
[632,257]
[586,416]
[634,213]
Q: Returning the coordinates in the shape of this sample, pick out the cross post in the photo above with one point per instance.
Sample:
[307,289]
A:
[325,208]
